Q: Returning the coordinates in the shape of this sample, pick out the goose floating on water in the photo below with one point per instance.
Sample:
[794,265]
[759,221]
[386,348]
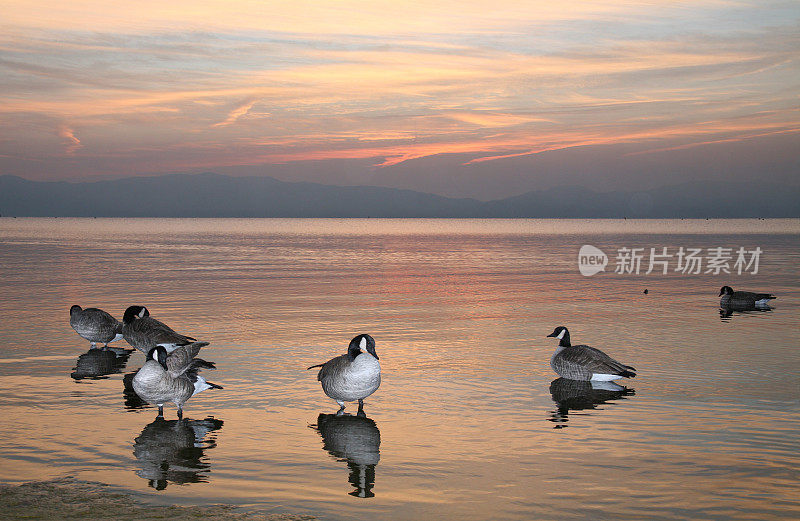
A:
[583,362]
[172,377]
[353,375]
[144,332]
[743,298]
[95,325]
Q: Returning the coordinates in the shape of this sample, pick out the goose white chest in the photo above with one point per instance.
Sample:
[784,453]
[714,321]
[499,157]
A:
[355,381]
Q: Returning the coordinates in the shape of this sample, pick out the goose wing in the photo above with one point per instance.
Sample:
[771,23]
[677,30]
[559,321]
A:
[161,333]
[332,367]
[144,333]
[136,335]
[748,295]
[594,360]
[180,360]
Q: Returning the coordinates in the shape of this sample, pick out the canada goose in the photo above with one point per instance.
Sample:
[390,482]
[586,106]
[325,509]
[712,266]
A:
[172,451]
[356,440]
[743,299]
[353,375]
[144,332]
[171,377]
[95,325]
[582,362]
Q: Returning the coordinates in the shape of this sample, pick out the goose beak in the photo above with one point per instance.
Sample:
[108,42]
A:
[551,335]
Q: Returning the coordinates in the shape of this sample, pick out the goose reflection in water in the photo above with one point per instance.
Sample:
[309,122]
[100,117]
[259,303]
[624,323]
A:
[132,400]
[100,362]
[728,310]
[355,440]
[578,395]
[172,451]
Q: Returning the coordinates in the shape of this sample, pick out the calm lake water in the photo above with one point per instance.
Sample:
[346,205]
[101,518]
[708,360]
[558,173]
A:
[469,421]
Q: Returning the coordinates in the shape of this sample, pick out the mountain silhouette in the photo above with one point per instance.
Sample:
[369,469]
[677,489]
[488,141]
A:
[214,195]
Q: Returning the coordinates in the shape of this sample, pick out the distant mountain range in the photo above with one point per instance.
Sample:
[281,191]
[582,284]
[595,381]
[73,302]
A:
[213,195]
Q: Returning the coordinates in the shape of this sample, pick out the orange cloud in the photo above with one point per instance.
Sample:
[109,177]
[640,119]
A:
[71,143]
[236,113]
[221,83]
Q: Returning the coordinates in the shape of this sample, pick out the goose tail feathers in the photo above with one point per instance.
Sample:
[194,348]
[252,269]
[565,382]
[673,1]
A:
[201,385]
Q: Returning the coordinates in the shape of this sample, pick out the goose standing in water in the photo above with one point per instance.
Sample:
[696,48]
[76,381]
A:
[171,377]
[743,299]
[583,362]
[353,375]
[144,332]
[95,325]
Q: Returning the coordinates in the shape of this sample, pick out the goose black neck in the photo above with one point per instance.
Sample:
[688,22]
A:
[353,351]
[564,342]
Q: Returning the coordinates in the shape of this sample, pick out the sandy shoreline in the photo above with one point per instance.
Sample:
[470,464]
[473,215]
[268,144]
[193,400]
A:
[70,499]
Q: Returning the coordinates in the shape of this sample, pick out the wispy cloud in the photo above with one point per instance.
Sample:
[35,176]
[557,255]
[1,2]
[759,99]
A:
[70,142]
[164,86]
[237,113]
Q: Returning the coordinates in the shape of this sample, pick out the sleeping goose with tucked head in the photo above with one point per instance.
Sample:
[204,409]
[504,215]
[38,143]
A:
[171,377]
[583,362]
[144,332]
[747,299]
[353,375]
[95,325]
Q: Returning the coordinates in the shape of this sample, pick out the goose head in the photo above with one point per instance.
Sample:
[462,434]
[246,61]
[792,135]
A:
[725,290]
[362,344]
[75,309]
[159,354]
[561,333]
[134,312]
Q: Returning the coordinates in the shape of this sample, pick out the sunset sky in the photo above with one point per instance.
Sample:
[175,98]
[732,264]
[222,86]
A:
[468,98]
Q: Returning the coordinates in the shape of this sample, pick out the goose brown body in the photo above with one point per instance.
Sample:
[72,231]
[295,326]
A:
[582,362]
[745,299]
[95,325]
[144,333]
[172,377]
[353,375]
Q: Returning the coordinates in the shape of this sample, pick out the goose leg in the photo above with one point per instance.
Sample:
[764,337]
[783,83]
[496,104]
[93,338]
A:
[341,408]
[361,413]
[160,411]
[180,413]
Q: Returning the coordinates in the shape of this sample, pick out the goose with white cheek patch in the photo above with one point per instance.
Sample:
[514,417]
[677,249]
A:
[731,298]
[95,325]
[353,375]
[144,333]
[172,377]
[583,362]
